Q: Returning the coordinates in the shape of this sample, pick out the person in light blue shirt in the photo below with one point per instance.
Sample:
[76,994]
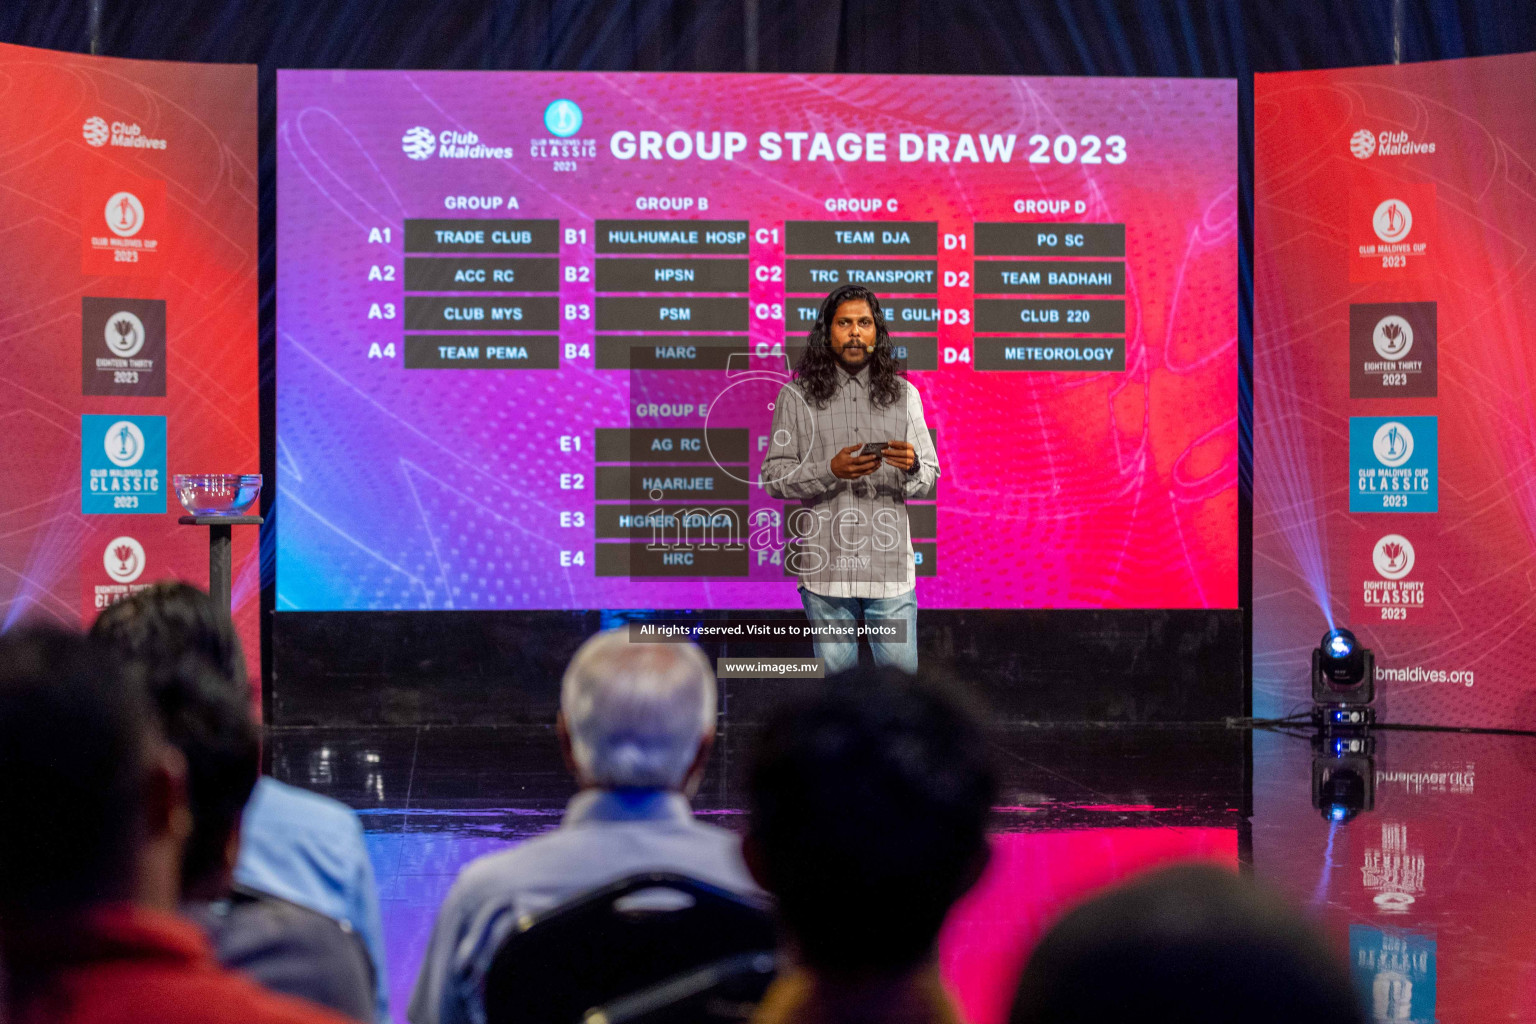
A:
[309,849]
[297,845]
[636,723]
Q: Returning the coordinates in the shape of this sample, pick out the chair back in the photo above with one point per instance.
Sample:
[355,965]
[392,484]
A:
[724,992]
[630,935]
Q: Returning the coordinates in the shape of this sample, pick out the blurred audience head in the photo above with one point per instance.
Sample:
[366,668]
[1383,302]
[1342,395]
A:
[190,658]
[91,798]
[869,811]
[637,715]
[162,623]
[1194,943]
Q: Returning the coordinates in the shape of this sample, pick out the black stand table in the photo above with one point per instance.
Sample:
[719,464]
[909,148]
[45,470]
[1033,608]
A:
[220,545]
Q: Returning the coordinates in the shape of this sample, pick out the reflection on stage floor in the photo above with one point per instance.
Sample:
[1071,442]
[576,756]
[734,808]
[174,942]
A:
[1418,865]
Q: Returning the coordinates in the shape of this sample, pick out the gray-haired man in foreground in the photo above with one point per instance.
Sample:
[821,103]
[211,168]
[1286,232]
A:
[636,723]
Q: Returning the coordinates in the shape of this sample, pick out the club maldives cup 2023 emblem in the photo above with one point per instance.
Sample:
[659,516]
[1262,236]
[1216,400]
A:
[122,221]
[124,214]
[1391,229]
[1392,221]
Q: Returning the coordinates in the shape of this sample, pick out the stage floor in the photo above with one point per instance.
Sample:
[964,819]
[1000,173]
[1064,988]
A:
[1429,891]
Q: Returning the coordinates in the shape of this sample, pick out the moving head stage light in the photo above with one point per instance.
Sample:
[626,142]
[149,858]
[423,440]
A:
[1343,682]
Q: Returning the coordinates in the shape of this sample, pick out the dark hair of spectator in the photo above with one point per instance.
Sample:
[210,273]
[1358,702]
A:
[190,657]
[869,811]
[164,622]
[817,370]
[75,734]
[1195,944]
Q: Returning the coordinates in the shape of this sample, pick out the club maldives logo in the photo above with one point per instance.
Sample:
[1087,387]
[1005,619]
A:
[1392,220]
[1393,557]
[1365,143]
[97,132]
[123,559]
[422,143]
[419,143]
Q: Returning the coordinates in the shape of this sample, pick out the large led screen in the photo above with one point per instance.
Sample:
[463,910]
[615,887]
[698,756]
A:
[531,327]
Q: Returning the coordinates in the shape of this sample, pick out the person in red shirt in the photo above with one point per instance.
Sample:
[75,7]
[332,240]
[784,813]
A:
[95,812]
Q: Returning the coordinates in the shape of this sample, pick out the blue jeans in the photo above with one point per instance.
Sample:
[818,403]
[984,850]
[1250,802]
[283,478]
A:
[842,655]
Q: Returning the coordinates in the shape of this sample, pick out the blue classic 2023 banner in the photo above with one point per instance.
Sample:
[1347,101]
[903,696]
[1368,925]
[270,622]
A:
[1394,464]
[122,465]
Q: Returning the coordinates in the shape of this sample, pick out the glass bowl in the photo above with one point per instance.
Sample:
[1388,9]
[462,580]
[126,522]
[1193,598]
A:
[217,494]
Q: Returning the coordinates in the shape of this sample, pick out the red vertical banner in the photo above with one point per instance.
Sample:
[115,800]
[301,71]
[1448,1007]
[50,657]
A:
[1395,383]
[130,272]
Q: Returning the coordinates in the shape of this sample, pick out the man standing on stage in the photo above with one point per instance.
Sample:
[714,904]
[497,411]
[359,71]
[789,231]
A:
[849,442]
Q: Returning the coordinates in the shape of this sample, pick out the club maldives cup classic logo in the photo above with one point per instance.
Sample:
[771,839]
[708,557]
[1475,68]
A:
[563,119]
[1392,444]
[1394,464]
[122,464]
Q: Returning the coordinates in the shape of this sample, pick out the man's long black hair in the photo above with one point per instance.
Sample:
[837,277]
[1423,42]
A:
[817,371]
